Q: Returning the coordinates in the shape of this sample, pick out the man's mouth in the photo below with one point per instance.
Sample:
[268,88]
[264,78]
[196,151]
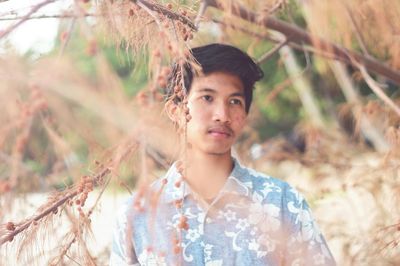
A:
[220,131]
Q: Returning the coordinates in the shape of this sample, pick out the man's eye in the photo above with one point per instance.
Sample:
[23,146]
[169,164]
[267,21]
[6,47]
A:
[236,102]
[207,98]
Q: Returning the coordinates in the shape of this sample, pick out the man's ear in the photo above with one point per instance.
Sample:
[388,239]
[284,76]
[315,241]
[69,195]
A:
[172,111]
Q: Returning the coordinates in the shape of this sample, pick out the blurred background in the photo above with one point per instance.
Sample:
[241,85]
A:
[82,123]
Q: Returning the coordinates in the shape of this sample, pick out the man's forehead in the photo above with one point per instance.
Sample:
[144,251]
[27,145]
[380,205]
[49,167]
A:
[217,82]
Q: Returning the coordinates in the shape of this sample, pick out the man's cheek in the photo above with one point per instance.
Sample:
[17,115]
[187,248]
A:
[239,119]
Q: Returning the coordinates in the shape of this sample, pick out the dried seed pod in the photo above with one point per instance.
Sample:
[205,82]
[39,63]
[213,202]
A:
[178,203]
[183,224]
[158,96]
[166,24]
[162,83]
[177,89]
[10,226]
[177,249]
[142,98]
[180,168]
[165,71]
[64,36]
[157,53]
[169,47]
[91,49]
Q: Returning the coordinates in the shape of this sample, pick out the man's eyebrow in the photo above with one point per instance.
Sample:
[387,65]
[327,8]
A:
[237,94]
[206,90]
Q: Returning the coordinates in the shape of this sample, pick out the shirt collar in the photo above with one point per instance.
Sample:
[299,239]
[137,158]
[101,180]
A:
[237,183]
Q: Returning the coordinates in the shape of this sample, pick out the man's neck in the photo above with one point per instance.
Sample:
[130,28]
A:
[206,173]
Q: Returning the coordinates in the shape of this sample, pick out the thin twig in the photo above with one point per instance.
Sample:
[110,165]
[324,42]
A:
[25,18]
[159,159]
[274,8]
[68,37]
[166,12]
[377,90]
[150,12]
[356,30]
[51,16]
[271,52]
[278,89]
[200,13]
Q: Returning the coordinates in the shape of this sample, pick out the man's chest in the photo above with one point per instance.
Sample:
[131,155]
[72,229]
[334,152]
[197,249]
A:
[229,232]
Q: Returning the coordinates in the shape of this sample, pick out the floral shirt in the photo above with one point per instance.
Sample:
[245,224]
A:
[254,220]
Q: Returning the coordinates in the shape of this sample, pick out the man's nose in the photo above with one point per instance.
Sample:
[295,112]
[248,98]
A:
[221,113]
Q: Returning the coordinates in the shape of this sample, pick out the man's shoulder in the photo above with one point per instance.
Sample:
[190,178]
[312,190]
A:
[269,187]
[259,179]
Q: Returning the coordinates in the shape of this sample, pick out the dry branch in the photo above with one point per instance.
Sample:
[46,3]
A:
[66,15]
[25,18]
[166,12]
[49,210]
[299,36]
[271,52]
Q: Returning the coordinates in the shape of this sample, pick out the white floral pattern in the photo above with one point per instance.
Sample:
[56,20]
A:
[149,258]
[256,220]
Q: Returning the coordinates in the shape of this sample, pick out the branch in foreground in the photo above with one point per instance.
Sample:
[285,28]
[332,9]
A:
[51,16]
[25,18]
[299,36]
[166,12]
[10,230]
[14,230]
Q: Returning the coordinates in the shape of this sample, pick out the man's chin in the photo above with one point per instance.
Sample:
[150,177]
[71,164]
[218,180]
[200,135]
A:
[219,152]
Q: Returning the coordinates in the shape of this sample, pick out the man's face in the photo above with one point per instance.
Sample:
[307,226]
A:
[217,105]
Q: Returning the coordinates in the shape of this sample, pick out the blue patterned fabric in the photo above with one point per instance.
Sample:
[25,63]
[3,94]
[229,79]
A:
[254,220]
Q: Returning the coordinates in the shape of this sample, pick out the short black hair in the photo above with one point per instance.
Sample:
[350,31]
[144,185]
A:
[217,58]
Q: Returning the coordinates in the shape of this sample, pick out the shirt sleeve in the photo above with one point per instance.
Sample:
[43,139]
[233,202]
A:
[122,250]
[305,244]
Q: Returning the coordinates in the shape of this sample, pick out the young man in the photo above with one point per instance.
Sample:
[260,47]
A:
[214,211]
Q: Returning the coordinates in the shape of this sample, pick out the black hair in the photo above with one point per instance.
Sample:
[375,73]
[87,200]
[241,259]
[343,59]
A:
[217,58]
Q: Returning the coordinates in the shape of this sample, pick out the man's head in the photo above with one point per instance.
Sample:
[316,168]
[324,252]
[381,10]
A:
[218,97]
[218,58]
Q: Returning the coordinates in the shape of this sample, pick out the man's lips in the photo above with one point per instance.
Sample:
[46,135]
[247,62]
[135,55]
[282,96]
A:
[220,131]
